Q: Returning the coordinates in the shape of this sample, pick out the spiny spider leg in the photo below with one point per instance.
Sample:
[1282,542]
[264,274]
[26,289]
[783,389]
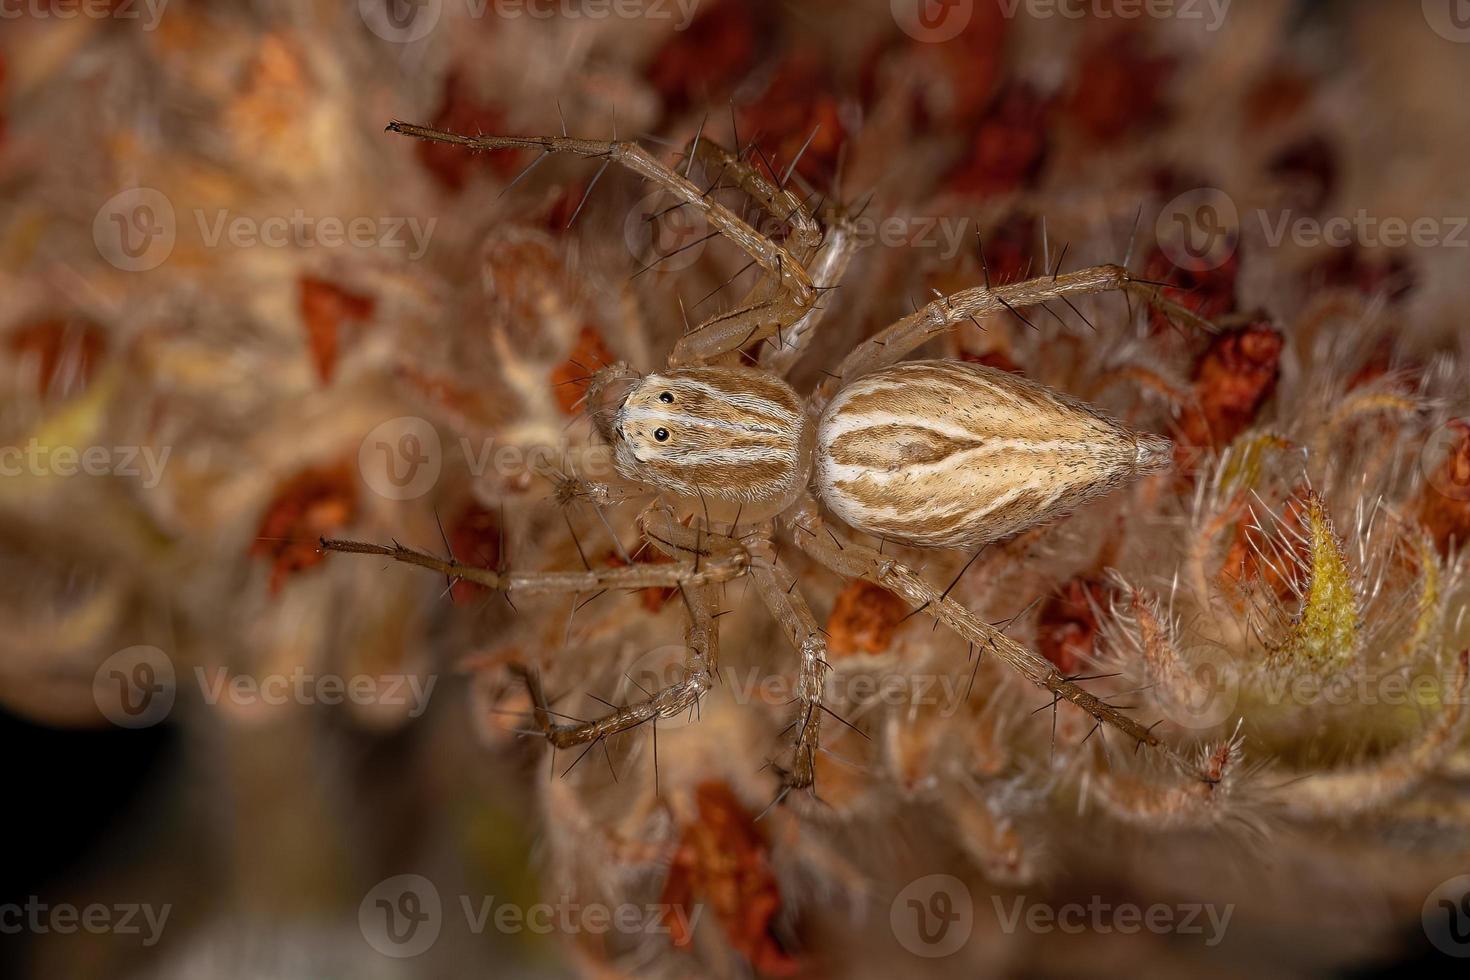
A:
[893,343]
[720,334]
[827,270]
[700,663]
[783,205]
[776,586]
[762,312]
[720,567]
[852,560]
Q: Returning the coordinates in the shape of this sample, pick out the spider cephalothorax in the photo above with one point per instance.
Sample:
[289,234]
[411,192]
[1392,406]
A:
[728,433]
[928,453]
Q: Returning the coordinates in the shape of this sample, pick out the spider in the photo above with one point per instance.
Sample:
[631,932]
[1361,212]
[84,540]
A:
[930,454]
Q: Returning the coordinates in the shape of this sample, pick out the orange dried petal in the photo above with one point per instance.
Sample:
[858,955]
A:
[569,380]
[864,619]
[325,309]
[723,860]
[313,504]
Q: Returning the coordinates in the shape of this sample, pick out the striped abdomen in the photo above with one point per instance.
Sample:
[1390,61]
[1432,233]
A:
[948,454]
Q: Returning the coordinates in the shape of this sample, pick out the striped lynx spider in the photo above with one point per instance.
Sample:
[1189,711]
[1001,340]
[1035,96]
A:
[928,453]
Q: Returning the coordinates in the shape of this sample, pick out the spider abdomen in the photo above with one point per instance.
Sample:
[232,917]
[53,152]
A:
[948,454]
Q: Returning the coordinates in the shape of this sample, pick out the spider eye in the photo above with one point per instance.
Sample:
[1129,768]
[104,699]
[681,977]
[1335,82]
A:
[662,435]
[667,398]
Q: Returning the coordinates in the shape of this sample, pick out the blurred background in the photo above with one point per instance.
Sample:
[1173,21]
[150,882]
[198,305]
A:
[236,315]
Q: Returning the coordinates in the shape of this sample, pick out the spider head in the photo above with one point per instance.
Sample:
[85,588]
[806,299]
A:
[729,433]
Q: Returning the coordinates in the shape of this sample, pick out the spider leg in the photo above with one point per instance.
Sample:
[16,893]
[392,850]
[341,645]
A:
[895,342]
[779,203]
[827,271]
[720,334]
[765,311]
[777,589]
[688,573]
[853,560]
[700,662]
